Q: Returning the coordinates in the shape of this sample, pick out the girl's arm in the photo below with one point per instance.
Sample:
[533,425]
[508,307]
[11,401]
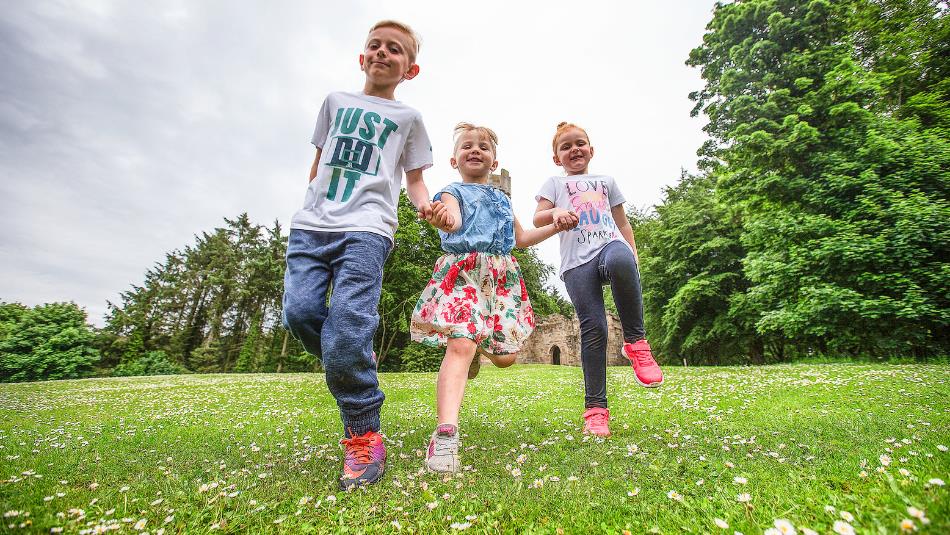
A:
[623,225]
[547,213]
[447,209]
[534,236]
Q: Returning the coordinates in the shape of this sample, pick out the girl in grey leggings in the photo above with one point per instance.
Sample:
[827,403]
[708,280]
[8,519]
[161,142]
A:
[599,250]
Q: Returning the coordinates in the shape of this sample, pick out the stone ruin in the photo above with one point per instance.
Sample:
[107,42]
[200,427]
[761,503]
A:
[557,340]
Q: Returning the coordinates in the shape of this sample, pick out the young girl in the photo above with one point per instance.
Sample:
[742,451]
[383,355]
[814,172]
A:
[476,299]
[600,249]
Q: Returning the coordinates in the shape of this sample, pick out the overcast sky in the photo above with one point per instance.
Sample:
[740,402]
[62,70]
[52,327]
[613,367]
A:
[126,128]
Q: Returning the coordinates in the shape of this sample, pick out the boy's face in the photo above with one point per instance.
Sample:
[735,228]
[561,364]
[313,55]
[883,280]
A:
[474,155]
[386,57]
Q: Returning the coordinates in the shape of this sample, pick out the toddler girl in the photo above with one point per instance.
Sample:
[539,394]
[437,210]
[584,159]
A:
[476,299]
[600,250]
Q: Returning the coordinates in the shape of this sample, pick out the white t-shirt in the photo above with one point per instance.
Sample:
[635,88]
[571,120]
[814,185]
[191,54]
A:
[367,143]
[591,197]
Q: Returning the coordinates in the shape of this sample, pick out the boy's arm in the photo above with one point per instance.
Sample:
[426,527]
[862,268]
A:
[316,163]
[534,236]
[623,225]
[418,193]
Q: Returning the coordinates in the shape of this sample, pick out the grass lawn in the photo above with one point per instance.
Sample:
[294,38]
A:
[825,447]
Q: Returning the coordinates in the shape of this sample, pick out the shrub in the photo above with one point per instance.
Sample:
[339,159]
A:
[152,363]
[421,358]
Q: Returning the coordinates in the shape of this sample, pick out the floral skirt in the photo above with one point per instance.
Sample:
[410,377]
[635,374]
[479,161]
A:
[479,296]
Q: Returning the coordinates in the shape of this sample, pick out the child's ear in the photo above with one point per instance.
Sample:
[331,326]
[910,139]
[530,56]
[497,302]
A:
[453,162]
[412,72]
[591,151]
[494,165]
[557,161]
[362,59]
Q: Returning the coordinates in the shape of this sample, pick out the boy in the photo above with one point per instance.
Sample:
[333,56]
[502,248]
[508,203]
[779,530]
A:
[344,233]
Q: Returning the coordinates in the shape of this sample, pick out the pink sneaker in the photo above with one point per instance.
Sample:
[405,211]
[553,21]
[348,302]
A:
[596,421]
[645,369]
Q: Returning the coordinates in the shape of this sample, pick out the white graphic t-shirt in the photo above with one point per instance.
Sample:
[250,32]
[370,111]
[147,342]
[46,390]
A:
[591,197]
[367,143]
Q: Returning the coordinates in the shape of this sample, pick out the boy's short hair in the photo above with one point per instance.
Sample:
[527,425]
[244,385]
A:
[414,41]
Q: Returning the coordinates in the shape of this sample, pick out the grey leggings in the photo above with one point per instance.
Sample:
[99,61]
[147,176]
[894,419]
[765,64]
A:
[616,265]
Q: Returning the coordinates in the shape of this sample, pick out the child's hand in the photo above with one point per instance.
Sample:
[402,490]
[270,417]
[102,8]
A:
[564,219]
[441,218]
[424,210]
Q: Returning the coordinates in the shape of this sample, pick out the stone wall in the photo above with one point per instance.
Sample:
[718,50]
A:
[556,340]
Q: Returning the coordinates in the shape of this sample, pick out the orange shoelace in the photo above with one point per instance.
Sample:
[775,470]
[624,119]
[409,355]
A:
[358,448]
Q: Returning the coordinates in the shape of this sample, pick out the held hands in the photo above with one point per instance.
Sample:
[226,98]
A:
[439,217]
[564,219]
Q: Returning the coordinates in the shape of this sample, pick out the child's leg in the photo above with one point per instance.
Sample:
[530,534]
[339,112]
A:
[347,336]
[620,267]
[452,377]
[305,287]
[502,361]
[584,288]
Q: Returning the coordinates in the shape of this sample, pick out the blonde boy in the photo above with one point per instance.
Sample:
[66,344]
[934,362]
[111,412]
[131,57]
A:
[344,233]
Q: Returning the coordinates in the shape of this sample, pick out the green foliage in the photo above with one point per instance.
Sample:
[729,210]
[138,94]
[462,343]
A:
[421,358]
[152,363]
[50,341]
[823,216]
[212,306]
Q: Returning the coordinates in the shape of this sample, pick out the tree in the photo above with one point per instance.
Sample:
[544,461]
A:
[837,186]
[50,341]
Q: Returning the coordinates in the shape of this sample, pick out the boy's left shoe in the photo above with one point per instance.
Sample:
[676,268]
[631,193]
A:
[645,369]
[364,460]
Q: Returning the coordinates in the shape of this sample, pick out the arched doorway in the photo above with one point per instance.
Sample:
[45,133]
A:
[556,355]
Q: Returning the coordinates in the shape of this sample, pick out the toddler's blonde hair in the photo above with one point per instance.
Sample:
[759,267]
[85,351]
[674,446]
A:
[415,42]
[489,134]
[561,127]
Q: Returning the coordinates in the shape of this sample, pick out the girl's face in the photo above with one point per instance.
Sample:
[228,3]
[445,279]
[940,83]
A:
[474,155]
[573,151]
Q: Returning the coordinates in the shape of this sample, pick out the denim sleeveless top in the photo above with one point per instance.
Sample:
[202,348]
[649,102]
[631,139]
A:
[487,220]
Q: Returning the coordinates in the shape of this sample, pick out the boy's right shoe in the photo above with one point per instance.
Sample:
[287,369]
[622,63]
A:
[443,453]
[597,421]
[364,460]
[645,369]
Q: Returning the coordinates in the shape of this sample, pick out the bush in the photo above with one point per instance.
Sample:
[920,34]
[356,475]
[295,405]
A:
[421,358]
[50,341]
[152,363]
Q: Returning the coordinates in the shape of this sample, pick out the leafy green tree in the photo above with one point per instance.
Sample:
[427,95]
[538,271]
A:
[840,202]
[50,341]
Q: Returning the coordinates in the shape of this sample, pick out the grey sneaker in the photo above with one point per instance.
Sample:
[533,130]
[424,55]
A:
[443,453]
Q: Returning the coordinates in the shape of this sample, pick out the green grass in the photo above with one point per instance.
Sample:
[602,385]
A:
[112,452]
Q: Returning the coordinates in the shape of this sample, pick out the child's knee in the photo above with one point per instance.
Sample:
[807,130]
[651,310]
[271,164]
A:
[503,361]
[459,348]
